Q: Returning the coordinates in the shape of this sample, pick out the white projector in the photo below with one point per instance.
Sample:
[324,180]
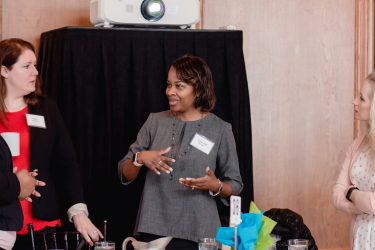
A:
[181,13]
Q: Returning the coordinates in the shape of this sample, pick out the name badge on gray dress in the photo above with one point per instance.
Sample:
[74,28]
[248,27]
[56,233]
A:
[202,143]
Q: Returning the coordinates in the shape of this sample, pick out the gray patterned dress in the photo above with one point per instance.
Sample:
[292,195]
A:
[168,208]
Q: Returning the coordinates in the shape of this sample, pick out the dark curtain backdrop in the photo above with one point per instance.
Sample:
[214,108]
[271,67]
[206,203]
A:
[106,82]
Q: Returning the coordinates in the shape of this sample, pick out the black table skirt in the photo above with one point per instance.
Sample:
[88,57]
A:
[107,81]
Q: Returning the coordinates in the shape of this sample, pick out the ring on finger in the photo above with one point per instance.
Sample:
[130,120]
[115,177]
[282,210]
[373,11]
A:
[94,232]
[193,188]
[159,162]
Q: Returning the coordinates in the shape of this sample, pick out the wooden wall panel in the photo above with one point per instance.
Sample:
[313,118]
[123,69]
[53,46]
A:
[364,49]
[28,19]
[1,19]
[299,58]
[300,67]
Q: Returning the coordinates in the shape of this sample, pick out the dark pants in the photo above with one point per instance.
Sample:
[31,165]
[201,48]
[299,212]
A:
[23,241]
[175,244]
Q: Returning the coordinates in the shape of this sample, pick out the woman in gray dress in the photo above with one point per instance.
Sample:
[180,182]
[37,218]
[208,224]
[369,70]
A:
[182,149]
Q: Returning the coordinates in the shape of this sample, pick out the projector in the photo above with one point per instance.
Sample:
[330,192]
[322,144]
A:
[108,13]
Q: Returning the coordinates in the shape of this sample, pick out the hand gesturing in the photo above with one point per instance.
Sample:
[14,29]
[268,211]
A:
[155,160]
[208,182]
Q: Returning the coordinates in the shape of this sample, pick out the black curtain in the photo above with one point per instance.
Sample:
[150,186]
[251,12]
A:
[106,82]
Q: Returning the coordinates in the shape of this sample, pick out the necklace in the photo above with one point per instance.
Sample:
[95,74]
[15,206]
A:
[172,145]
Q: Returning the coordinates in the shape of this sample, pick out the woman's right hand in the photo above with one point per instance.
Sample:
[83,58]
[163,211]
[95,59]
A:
[155,160]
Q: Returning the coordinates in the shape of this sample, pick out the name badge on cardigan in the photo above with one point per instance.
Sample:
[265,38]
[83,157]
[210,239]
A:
[202,143]
[35,121]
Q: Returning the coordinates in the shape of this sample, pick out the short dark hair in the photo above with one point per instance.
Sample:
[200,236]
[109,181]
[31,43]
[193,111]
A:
[193,70]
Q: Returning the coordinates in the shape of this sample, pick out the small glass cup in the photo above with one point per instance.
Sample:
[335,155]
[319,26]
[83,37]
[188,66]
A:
[104,245]
[207,244]
[298,244]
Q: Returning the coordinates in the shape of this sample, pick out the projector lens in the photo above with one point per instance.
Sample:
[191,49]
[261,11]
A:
[153,10]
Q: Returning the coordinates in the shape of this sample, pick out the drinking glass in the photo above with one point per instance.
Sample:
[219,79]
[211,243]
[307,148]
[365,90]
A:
[297,244]
[104,245]
[207,244]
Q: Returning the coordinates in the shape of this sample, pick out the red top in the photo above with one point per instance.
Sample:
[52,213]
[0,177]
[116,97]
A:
[17,123]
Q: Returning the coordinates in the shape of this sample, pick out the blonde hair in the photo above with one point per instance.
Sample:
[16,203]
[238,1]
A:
[369,127]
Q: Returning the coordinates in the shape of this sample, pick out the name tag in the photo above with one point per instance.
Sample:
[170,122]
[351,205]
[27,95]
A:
[202,143]
[35,121]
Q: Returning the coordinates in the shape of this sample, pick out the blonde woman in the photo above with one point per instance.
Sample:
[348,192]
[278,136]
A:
[354,189]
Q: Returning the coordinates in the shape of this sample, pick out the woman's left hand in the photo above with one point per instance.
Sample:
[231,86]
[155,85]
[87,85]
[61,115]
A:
[88,231]
[208,182]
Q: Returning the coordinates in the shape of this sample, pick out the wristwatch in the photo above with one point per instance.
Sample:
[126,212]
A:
[349,193]
[218,192]
[135,160]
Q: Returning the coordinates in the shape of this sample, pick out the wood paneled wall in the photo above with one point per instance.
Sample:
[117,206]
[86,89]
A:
[364,49]
[299,58]
[300,68]
[28,19]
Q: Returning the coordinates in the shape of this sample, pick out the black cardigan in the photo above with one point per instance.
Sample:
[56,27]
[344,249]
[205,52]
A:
[52,153]
[11,217]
